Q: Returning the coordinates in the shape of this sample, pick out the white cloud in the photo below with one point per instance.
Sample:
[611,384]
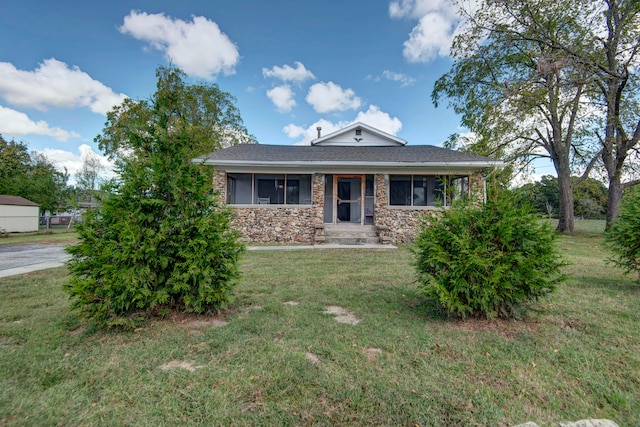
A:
[438,23]
[416,9]
[311,132]
[282,98]
[286,73]
[327,97]
[199,48]
[428,40]
[372,117]
[17,123]
[53,83]
[379,120]
[73,161]
[403,79]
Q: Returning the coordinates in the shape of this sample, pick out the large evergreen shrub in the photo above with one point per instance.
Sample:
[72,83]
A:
[487,259]
[623,239]
[161,239]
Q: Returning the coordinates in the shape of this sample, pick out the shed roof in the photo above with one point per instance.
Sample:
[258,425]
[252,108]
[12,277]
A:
[16,201]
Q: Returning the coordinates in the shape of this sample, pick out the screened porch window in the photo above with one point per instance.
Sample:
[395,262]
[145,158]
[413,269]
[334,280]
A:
[268,189]
[426,190]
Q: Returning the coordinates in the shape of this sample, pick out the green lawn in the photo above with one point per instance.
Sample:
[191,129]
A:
[57,235]
[589,226]
[276,363]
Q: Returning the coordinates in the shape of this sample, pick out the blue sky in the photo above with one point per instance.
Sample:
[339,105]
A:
[293,65]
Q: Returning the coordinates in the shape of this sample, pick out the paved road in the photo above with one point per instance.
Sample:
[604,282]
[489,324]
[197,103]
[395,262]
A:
[19,259]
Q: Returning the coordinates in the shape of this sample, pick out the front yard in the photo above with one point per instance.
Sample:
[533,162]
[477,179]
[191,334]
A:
[278,357]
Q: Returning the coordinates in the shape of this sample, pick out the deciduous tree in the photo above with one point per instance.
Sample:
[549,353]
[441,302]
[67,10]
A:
[537,77]
[206,114]
[31,175]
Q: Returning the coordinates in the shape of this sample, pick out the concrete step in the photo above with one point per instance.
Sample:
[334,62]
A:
[351,240]
[351,234]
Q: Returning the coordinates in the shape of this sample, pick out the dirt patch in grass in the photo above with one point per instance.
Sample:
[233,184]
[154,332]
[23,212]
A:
[342,315]
[180,364]
[78,330]
[502,327]
[314,359]
[195,322]
[292,303]
[372,354]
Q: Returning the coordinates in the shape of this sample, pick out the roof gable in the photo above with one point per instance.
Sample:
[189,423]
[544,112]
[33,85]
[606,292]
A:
[359,134]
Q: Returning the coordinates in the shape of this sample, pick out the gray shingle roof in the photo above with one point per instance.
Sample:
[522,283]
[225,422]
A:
[16,200]
[282,154]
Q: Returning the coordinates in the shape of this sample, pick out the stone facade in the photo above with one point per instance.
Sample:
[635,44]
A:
[396,224]
[304,224]
[277,223]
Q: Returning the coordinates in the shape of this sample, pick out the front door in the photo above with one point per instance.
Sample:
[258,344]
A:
[348,206]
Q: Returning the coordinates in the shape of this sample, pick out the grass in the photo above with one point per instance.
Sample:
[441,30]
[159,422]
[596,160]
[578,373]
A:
[589,226]
[577,356]
[57,235]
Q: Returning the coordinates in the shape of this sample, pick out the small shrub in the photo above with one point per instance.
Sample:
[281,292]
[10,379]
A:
[486,260]
[623,239]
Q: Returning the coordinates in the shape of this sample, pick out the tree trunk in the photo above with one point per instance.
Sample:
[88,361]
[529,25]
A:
[614,197]
[565,199]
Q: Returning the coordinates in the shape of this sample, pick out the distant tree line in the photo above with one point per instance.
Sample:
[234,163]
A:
[33,176]
[589,197]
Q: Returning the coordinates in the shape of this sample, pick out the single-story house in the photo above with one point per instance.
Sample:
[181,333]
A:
[358,183]
[18,215]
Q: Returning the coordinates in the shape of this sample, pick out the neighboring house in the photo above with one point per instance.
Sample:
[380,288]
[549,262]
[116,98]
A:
[18,215]
[358,183]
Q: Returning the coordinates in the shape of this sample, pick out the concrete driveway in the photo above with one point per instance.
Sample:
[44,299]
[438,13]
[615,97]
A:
[20,259]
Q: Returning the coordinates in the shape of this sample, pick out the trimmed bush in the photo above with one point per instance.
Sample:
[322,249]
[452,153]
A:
[623,239]
[488,260]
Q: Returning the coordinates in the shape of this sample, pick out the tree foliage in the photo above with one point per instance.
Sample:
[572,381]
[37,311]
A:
[486,260]
[161,238]
[88,178]
[623,238]
[32,176]
[551,78]
[206,114]
[590,197]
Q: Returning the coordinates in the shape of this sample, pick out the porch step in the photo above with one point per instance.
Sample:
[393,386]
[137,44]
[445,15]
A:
[350,234]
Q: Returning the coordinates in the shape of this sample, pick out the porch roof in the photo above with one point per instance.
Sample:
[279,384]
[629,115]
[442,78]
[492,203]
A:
[259,155]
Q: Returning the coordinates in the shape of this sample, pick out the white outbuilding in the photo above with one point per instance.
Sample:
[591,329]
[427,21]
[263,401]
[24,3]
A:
[18,215]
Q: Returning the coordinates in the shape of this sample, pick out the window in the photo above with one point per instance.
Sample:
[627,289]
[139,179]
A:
[268,189]
[358,132]
[239,188]
[425,190]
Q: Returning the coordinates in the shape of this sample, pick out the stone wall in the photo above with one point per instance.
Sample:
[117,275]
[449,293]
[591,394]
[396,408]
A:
[277,223]
[396,224]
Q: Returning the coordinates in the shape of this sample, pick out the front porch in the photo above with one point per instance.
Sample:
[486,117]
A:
[342,209]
